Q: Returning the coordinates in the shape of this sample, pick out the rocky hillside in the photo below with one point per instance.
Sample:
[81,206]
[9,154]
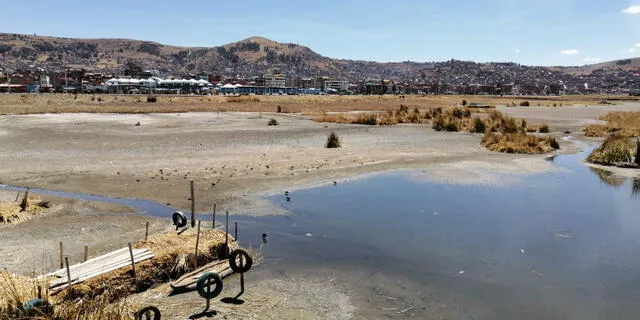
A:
[256,56]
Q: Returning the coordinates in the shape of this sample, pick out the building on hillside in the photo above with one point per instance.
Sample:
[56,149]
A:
[275,81]
[338,85]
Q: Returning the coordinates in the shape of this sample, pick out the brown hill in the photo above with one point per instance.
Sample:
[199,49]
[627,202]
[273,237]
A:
[254,56]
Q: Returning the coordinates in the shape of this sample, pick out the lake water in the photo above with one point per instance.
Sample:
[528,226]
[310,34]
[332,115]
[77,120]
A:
[561,245]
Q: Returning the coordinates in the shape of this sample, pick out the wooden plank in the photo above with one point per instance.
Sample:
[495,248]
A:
[61,271]
[61,283]
[192,277]
[100,268]
[112,256]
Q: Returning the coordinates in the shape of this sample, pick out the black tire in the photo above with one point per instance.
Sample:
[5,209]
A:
[204,283]
[248,261]
[145,312]
[179,219]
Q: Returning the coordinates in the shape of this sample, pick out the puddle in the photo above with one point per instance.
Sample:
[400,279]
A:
[150,207]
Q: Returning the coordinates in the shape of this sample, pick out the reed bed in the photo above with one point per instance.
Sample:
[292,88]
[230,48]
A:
[625,124]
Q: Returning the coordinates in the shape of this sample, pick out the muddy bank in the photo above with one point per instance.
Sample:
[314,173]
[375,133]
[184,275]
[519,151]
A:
[33,246]
[231,156]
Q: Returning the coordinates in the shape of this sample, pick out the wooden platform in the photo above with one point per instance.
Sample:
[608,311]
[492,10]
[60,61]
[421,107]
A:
[95,267]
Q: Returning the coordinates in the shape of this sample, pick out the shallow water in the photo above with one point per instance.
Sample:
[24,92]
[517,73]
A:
[561,245]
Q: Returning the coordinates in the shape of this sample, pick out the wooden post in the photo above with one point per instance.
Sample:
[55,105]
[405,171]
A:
[214,216]
[133,264]
[61,256]
[197,243]
[39,292]
[86,253]
[66,259]
[25,201]
[193,205]
[146,231]
[226,233]
[236,233]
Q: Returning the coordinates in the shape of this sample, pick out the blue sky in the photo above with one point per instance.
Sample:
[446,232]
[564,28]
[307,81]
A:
[531,32]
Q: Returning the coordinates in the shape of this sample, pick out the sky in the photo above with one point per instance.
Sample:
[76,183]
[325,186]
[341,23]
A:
[529,32]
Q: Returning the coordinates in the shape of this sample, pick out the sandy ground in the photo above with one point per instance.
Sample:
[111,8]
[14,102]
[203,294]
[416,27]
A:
[235,159]
[33,246]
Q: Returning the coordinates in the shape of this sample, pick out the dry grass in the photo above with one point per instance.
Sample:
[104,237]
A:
[243,99]
[312,105]
[625,124]
[333,141]
[10,211]
[519,143]
[615,150]
[103,297]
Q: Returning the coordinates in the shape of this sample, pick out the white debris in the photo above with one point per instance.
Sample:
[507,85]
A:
[309,235]
[522,250]
[461,272]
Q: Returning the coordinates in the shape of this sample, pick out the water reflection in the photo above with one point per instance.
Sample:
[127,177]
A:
[608,177]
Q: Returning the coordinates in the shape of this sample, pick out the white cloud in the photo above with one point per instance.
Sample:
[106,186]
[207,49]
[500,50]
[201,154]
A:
[635,9]
[591,59]
[569,52]
[632,50]
[637,45]
[516,50]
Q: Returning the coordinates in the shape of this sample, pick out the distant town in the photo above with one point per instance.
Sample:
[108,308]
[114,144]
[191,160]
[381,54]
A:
[261,66]
[153,82]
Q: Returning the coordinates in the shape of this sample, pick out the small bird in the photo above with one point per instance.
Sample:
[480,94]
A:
[335,183]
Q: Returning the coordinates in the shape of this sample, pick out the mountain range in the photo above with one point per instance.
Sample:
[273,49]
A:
[256,56]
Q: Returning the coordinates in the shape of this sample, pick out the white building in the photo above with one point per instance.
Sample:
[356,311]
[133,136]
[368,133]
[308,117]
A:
[336,85]
[275,81]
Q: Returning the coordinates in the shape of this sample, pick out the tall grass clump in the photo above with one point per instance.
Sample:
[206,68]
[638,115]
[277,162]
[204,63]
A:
[615,150]
[544,128]
[333,141]
[478,126]
[272,122]
[625,124]
[525,104]
[519,143]
[152,99]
